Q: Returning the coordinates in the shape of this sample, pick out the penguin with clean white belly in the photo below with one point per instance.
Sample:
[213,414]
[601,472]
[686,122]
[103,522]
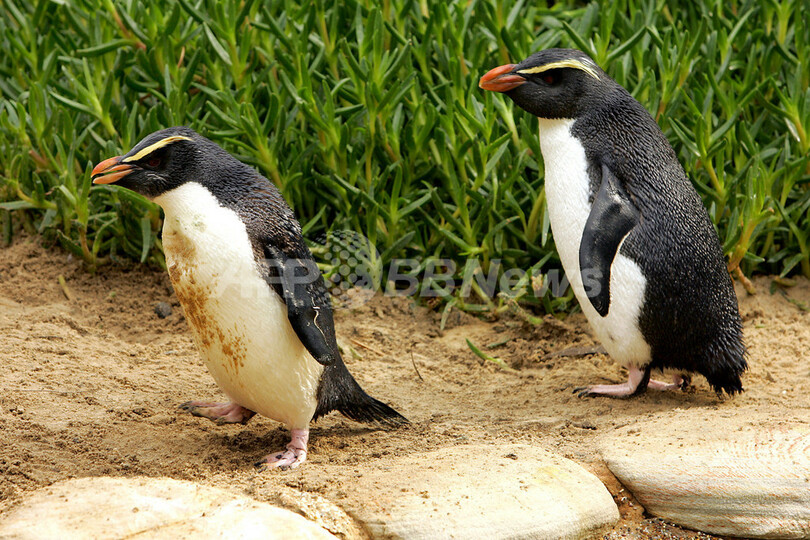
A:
[634,238]
[252,294]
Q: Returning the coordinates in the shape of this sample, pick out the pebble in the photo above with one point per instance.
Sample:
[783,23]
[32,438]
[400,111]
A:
[163,309]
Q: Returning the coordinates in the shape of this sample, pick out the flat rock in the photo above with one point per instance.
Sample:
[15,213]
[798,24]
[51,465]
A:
[483,491]
[149,508]
[717,474]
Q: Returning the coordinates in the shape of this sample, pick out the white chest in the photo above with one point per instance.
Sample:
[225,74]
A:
[239,323]
[567,193]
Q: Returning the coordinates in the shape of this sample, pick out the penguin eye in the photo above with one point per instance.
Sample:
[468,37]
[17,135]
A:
[154,162]
[549,79]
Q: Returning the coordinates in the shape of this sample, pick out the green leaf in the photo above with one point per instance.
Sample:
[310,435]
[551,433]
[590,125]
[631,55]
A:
[104,48]
[217,46]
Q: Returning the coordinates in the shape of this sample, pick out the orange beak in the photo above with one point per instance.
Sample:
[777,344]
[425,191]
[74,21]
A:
[501,79]
[109,171]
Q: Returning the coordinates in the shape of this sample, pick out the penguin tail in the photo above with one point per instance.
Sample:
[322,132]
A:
[370,410]
[339,391]
[726,362]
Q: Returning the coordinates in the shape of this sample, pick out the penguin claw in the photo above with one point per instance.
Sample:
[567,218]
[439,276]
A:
[583,391]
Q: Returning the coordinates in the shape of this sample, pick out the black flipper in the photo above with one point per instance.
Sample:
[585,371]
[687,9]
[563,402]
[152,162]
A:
[305,323]
[612,216]
[298,281]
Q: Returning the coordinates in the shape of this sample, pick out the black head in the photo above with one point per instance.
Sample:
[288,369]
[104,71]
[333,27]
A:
[554,83]
[161,162]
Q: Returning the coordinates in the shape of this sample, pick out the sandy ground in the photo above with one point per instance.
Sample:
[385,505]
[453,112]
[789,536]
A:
[90,386]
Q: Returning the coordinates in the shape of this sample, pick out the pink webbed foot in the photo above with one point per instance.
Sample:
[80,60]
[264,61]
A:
[637,382]
[635,379]
[294,456]
[219,413]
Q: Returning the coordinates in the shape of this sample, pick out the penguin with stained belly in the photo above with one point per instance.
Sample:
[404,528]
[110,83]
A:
[252,294]
[634,238]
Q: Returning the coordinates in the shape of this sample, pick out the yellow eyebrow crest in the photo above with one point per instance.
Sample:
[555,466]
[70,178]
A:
[155,146]
[575,64]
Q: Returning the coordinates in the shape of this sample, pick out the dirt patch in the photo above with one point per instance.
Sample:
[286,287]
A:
[90,386]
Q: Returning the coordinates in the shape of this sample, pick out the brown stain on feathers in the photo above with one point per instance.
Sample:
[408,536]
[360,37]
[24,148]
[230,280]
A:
[180,246]
[197,305]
